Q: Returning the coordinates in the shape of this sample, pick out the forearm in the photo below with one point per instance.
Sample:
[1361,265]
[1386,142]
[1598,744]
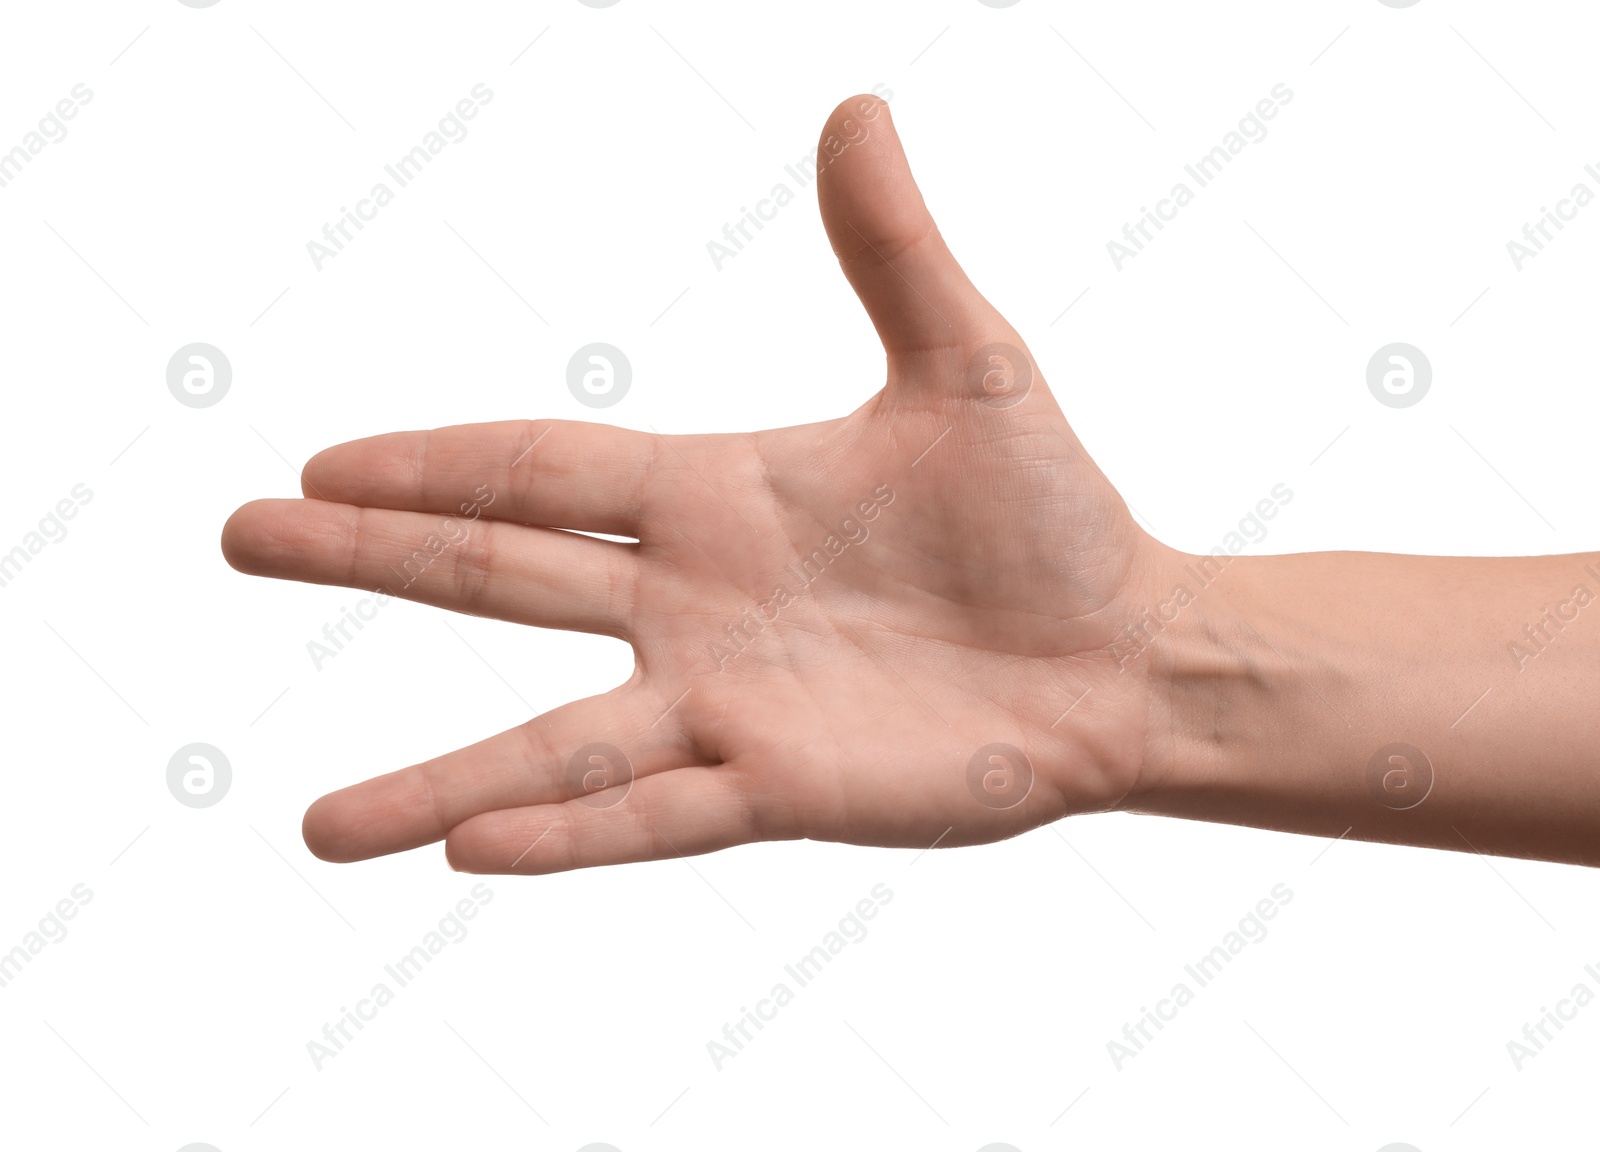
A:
[1282,686]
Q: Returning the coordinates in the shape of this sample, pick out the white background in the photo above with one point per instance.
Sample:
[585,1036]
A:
[578,1009]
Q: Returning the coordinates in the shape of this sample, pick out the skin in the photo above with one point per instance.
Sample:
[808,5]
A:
[980,583]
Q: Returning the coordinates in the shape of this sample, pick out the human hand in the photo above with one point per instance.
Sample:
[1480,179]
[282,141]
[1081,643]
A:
[833,624]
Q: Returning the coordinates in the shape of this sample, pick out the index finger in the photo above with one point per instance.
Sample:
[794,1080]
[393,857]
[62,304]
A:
[552,473]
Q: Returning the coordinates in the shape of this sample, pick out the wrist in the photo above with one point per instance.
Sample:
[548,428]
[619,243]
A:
[1229,671]
[1371,696]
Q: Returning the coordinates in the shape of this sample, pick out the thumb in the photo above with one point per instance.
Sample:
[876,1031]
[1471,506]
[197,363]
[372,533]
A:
[919,299]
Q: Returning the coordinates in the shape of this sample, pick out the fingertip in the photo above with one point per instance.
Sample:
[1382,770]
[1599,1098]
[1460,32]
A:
[332,827]
[315,468]
[337,471]
[862,106]
[314,831]
[862,173]
[456,857]
[241,534]
[463,851]
[372,468]
[273,537]
[533,841]
[228,540]
[324,828]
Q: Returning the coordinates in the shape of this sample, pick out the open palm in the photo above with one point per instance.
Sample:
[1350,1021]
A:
[893,628]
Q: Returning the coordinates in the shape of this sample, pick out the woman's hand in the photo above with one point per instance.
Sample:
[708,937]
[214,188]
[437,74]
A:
[895,628]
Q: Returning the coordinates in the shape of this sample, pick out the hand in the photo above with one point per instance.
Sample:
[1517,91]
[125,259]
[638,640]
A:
[832,623]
